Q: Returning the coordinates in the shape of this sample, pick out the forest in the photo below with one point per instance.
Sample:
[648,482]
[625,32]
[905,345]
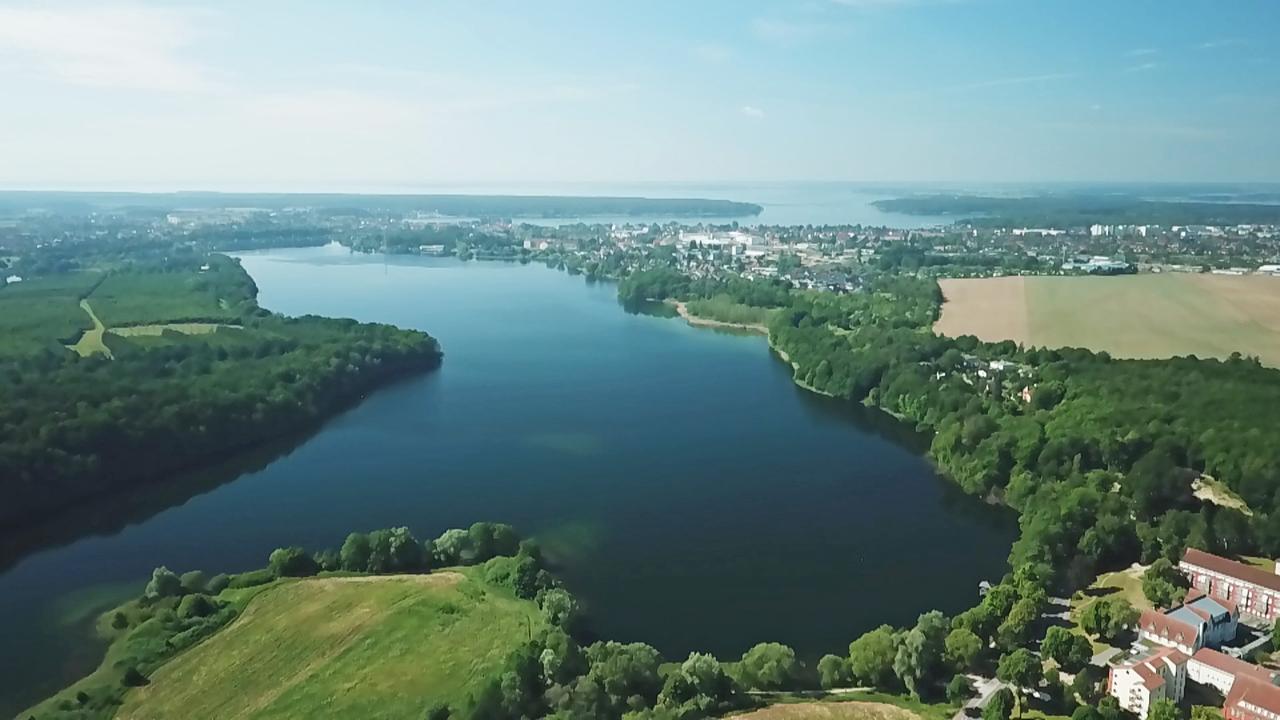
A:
[74,427]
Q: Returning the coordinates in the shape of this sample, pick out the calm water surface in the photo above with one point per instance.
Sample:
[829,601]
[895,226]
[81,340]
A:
[694,496]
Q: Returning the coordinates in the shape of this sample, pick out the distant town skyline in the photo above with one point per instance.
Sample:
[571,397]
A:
[396,95]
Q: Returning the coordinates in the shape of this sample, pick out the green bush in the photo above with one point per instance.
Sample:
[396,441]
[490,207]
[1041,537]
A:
[253,578]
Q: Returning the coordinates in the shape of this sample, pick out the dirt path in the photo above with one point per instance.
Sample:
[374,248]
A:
[90,343]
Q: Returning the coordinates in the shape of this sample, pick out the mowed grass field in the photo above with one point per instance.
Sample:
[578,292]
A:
[358,647]
[829,711]
[1128,316]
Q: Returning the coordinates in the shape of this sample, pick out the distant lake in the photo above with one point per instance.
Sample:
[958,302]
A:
[784,203]
[692,495]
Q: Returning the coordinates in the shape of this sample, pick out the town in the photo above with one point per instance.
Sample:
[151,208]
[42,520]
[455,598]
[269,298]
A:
[824,257]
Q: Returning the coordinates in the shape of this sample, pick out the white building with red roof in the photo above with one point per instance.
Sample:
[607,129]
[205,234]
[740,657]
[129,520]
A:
[1254,591]
[1221,671]
[1252,699]
[1140,680]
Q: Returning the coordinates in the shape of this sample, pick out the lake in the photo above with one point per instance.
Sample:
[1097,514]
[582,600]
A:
[694,497]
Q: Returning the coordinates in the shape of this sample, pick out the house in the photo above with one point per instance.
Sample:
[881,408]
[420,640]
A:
[1138,681]
[1200,622]
[1253,590]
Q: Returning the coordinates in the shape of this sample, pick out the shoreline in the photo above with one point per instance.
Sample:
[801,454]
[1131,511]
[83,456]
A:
[683,311]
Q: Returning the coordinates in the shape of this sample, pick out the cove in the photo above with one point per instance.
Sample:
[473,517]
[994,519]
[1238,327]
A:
[692,496]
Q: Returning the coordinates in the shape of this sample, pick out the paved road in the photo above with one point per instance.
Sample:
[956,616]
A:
[985,687]
[1104,657]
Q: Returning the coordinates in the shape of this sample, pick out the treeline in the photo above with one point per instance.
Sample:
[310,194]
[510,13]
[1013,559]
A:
[1093,424]
[72,428]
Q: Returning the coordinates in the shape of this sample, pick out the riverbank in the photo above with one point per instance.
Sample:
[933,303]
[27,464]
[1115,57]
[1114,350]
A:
[683,310]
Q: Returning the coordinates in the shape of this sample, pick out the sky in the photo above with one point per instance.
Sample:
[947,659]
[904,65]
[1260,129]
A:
[378,96]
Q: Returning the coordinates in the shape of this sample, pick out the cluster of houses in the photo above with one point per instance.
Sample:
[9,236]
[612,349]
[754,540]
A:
[1182,644]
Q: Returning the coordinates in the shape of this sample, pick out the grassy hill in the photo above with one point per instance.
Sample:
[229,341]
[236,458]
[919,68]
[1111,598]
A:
[363,646]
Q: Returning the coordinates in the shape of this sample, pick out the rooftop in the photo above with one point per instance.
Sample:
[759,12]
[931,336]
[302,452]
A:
[1231,568]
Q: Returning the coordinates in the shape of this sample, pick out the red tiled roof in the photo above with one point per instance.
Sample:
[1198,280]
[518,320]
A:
[1231,568]
[1163,626]
[1234,666]
[1150,678]
[1255,692]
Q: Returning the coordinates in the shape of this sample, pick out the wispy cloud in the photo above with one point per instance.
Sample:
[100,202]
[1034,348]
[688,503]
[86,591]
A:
[1139,129]
[1002,82]
[712,53]
[121,47]
[752,111]
[1216,44]
[892,3]
[788,32]
[1141,52]
[1142,67]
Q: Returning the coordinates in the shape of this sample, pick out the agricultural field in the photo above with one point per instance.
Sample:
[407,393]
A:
[369,646]
[1128,316]
[874,707]
[218,294]
[43,313]
[142,307]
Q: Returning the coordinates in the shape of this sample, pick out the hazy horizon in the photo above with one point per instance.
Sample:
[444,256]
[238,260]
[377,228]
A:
[291,96]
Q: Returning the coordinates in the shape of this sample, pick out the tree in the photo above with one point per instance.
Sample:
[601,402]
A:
[871,657]
[1275,635]
[833,672]
[920,654]
[354,555]
[196,606]
[559,608]
[1069,650]
[625,671]
[1163,710]
[1020,668]
[770,666]
[1163,585]
[699,687]
[959,689]
[1000,706]
[291,562]
[1108,618]
[164,583]
[962,648]
[194,581]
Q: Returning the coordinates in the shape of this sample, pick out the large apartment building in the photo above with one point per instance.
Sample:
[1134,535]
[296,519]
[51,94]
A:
[1254,591]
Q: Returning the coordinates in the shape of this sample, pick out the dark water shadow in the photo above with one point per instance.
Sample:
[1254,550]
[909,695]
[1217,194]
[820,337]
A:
[107,514]
[131,505]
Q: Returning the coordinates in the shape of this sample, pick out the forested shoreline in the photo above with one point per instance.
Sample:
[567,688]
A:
[78,427]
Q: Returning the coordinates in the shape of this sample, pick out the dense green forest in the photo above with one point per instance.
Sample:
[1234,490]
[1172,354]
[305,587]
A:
[145,406]
[1071,210]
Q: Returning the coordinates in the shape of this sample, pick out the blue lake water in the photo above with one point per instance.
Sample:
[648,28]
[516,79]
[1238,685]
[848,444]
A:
[694,497]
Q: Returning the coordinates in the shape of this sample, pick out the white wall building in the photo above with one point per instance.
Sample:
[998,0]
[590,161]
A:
[1139,681]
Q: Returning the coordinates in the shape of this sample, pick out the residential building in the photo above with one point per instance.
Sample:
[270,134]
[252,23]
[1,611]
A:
[1220,671]
[1138,681]
[1254,591]
[1252,699]
[1200,622]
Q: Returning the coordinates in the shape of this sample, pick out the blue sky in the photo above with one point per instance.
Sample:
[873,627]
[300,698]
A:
[326,95]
